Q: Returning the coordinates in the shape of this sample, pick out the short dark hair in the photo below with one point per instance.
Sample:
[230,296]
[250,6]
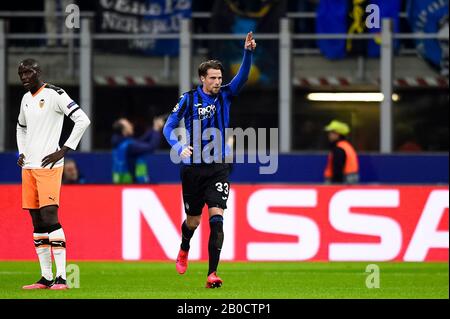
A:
[31,63]
[210,64]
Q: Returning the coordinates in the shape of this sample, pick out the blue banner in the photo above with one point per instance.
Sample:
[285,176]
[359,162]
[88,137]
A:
[142,16]
[384,169]
[350,16]
[332,18]
[428,16]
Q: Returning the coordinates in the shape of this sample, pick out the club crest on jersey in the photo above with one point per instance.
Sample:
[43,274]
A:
[41,103]
[206,112]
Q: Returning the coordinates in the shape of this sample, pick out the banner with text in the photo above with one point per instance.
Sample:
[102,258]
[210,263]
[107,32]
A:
[262,223]
[141,16]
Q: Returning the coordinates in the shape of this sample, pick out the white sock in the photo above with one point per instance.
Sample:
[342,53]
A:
[42,246]
[58,243]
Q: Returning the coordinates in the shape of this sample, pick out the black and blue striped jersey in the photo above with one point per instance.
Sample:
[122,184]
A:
[206,116]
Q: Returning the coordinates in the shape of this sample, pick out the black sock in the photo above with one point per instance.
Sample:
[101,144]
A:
[186,235]
[215,242]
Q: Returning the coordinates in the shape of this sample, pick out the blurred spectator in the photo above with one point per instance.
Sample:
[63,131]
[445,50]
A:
[71,174]
[342,166]
[129,164]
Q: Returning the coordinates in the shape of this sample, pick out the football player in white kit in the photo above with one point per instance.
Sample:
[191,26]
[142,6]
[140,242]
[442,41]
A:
[39,129]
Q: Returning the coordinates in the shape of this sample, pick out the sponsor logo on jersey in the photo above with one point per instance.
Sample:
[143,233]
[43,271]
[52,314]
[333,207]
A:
[71,104]
[206,112]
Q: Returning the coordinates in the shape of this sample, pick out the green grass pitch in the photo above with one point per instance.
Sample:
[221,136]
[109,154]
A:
[251,280]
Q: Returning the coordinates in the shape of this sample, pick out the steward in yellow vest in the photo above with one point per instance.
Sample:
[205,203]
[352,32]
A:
[342,166]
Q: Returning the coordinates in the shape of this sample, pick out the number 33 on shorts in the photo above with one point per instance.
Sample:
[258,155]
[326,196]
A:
[223,188]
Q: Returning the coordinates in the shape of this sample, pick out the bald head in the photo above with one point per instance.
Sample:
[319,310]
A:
[30,63]
[30,74]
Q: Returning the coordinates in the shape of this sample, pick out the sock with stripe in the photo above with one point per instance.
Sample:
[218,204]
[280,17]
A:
[58,244]
[42,246]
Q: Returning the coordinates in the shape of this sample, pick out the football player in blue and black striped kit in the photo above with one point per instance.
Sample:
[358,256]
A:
[205,178]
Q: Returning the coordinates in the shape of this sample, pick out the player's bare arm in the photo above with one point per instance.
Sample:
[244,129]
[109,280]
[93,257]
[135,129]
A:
[54,157]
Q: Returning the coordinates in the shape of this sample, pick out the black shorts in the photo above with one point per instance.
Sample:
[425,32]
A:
[205,184]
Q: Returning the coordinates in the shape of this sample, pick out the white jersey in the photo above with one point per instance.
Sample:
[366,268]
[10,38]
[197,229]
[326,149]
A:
[40,124]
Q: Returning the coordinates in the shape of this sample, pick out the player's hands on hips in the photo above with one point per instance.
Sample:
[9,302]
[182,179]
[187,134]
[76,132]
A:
[250,43]
[187,152]
[21,160]
[54,157]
